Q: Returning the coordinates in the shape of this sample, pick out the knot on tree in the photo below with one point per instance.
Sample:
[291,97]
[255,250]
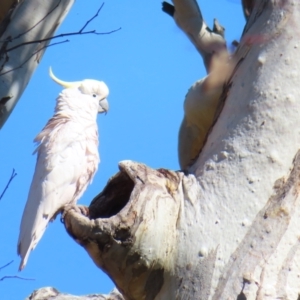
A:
[137,209]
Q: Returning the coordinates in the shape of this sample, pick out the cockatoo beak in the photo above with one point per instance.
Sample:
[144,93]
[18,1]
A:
[64,84]
[103,106]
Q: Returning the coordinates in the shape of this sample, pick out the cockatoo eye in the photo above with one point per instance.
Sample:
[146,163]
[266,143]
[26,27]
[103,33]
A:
[94,95]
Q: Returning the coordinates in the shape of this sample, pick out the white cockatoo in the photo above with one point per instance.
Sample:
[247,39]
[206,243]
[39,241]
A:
[200,107]
[67,158]
[203,98]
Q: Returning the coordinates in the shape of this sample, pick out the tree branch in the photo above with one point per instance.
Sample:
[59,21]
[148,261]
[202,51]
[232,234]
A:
[15,277]
[12,176]
[91,19]
[80,32]
[188,17]
[33,54]
[12,276]
[1,268]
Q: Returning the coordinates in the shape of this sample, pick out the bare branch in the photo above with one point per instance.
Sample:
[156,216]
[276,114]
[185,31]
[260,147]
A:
[12,176]
[94,17]
[34,53]
[15,277]
[188,17]
[12,276]
[62,35]
[80,32]
[1,268]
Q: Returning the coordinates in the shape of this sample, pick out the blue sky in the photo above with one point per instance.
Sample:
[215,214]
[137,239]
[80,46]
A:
[148,65]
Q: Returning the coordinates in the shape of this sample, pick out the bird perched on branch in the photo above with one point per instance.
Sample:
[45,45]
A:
[67,158]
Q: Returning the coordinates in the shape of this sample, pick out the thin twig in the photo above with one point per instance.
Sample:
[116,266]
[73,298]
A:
[90,20]
[12,276]
[6,265]
[62,35]
[34,53]
[15,277]
[13,175]
[80,32]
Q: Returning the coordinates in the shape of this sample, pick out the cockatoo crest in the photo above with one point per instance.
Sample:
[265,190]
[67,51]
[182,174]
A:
[67,158]
[88,87]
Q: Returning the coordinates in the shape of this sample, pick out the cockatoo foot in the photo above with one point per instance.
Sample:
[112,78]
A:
[81,209]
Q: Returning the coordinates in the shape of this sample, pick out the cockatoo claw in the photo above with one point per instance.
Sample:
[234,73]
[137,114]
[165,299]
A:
[81,209]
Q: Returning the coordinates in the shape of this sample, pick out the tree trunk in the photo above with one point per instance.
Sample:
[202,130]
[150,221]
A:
[24,37]
[226,228]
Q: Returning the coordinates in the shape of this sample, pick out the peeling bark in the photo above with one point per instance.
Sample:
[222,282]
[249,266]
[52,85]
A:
[48,293]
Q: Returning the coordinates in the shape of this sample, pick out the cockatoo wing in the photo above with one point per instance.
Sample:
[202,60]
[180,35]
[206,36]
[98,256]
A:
[200,106]
[191,139]
[67,160]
